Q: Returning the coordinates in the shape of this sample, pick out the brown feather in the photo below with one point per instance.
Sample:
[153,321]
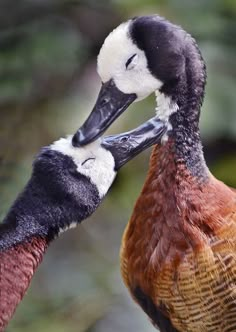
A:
[180,246]
[23,260]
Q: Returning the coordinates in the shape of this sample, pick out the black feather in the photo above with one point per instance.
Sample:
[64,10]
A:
[161,321]
[55,196]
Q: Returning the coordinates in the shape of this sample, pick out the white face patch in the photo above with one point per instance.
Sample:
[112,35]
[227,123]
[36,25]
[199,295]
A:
[121,60]
[165,107]
[136,78]
[93,161]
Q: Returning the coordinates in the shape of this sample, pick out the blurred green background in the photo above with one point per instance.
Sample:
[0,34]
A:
[48,85]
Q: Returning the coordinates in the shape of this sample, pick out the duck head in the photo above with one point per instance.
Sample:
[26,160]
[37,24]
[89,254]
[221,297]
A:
[98,161]
[68,183]
[144,55]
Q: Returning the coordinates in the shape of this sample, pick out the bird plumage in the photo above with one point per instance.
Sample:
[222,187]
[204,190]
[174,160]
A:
[66,186]
[18,264]
[179,248]
[178,256]
[56,196]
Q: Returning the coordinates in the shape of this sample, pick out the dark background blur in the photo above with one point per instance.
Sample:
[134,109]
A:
[48,85]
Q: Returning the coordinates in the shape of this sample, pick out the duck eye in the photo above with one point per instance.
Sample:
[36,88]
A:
[130,63]
[87,160]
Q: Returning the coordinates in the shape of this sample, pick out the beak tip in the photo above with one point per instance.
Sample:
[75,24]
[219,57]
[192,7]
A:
[77,139]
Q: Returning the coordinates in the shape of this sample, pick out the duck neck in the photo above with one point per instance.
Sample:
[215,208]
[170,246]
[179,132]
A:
[23,242]
[17,266]
[29,217]
[187,146]
[184,100]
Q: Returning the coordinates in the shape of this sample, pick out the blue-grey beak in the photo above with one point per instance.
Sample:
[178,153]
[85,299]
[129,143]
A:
[111,102]
[127,145]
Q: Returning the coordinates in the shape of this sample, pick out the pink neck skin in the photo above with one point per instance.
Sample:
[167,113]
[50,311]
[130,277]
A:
[17,266]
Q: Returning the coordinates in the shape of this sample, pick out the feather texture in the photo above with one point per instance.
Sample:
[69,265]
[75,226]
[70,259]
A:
[179,248]
[17,266]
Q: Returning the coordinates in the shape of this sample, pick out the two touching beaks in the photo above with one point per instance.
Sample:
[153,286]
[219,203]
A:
[126,77]
[110,104]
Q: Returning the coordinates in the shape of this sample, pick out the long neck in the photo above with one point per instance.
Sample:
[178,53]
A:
[29,216]
[23,242]
[187,94]
[177,192]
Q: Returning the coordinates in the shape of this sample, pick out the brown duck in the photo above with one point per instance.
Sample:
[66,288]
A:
[178,253]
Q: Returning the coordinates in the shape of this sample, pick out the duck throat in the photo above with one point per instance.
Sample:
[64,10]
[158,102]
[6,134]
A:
[188,148]
[184,134]
[179,104]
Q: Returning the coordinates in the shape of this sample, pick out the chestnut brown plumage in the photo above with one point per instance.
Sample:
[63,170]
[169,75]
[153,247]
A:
[179,249]
[18,265]
[178,254]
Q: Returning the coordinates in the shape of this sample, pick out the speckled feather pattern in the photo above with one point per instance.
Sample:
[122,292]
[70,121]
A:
[180,247]
[23,259]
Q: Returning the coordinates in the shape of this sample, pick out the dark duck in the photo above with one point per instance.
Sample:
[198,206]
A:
[67,185]
[178,253]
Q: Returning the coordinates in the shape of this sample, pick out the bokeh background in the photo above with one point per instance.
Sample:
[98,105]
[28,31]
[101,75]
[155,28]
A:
[48,85]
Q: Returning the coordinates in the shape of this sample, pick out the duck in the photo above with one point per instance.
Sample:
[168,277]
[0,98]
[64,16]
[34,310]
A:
[66,186]
[178,252]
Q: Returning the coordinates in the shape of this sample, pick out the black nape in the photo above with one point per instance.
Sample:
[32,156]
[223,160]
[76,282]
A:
[174,58]
[163,44]
[55,196]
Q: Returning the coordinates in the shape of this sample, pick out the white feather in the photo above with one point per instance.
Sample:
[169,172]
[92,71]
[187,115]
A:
[165,107]
[74,224]
[100,169]
[118,47]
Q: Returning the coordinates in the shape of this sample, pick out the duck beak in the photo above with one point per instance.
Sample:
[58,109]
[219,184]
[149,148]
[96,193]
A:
[126,146]
[111,102]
